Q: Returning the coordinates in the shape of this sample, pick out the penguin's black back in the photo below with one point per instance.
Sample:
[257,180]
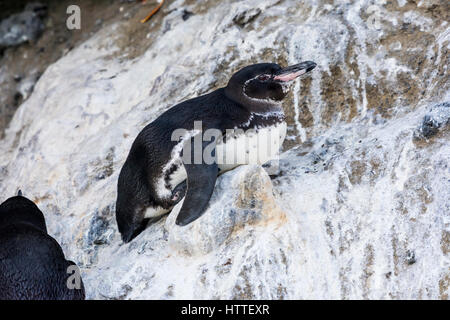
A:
[215,110]
[32,264]
[18,210]
[153,145]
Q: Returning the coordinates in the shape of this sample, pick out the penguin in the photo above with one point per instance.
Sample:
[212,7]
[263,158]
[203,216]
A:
[242,118]
[32,263]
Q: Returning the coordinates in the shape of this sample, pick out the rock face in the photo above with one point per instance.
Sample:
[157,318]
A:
[241,198]
[359,206]
[22,27]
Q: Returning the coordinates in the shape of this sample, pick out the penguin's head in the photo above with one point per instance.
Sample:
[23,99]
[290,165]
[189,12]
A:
[132,198]
[19,209]
[261,87]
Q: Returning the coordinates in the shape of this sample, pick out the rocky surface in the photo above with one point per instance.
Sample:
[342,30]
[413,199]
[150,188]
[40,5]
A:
[23,27]
[359,206]
[33,36]
[242,198]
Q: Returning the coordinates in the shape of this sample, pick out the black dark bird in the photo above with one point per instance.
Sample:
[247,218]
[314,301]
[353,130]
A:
[153,178]
[32,263]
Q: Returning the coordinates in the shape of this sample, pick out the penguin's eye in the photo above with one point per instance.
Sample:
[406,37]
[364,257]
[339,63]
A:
[263,77]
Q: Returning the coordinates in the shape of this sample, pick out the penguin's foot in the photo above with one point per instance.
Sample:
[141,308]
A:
[178,193]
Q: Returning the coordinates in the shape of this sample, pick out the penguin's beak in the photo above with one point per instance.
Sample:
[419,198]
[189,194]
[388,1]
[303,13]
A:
[293,72]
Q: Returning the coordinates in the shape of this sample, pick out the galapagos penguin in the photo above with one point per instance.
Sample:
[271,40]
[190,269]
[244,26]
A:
[248,116]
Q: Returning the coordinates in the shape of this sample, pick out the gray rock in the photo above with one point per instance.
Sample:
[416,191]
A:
[437,117]
[23,27]
[241,197]
[246,16]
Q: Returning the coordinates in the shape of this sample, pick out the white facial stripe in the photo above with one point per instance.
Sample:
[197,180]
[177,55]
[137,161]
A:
[266,101]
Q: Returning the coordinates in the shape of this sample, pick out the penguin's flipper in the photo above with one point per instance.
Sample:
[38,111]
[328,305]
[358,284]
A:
[201,179]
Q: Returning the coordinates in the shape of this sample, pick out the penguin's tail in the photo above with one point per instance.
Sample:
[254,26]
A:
[19,193]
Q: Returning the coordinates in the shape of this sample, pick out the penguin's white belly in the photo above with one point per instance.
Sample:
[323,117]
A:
[254,146]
